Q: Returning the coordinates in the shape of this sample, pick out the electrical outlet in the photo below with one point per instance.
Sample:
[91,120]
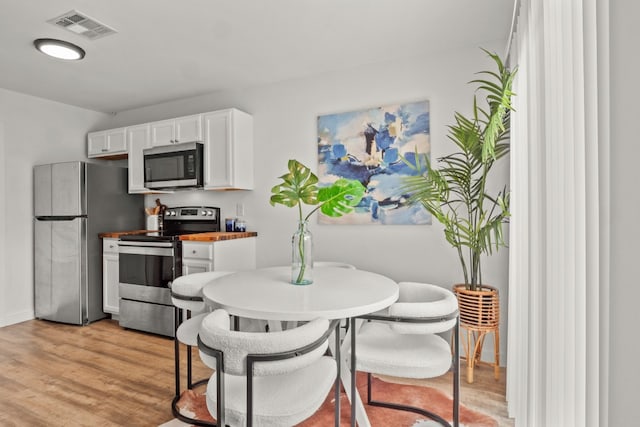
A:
[239,209]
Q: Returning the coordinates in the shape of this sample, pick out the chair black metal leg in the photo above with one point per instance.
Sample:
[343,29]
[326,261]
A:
[176,349]
[408,408]
[189,369]
[337,385]
[176,355]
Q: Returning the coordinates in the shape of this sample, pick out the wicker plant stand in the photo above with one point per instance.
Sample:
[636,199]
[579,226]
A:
[479,316]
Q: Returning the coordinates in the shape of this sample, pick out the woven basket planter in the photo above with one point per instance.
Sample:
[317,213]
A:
[479,315]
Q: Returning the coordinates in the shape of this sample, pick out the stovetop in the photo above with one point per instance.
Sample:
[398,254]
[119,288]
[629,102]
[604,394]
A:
[180,221]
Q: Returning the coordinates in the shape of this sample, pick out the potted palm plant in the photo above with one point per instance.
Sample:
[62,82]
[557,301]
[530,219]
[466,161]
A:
[298,187]
[457,196]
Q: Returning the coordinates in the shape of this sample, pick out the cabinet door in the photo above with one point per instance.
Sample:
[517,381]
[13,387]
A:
[107,143]
[188,129]
[163,133]
[110,280]
[138,140]
[117,141]
[197,257]
[193,266]
[97,144]
[228,144]
[218,160]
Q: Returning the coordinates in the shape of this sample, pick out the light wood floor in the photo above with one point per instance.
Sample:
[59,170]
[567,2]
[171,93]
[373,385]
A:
[102,375]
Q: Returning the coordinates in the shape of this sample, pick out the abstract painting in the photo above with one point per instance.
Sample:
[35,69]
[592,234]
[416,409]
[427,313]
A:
[367,145]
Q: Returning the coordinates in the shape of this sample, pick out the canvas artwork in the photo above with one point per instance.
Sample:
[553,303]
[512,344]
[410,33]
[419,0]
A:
[367,145]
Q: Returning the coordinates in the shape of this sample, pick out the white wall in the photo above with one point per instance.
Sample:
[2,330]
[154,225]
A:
[625,213]
[36,131]
[285,127]
[3,289]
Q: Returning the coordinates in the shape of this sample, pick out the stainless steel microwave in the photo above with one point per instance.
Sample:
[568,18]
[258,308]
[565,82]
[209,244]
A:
[174,166]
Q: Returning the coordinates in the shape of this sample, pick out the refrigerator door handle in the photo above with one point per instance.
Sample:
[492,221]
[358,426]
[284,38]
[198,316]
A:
[59,218]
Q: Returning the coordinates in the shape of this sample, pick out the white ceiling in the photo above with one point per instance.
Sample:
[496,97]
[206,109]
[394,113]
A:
[171,49]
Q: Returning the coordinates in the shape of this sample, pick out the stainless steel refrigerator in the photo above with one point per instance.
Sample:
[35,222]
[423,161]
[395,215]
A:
[73,203]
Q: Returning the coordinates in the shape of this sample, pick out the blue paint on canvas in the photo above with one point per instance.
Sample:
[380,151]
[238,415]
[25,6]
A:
[368,146]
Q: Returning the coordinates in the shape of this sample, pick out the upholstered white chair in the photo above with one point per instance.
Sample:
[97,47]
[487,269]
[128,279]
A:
[403,341]
[190,309]
[266,379]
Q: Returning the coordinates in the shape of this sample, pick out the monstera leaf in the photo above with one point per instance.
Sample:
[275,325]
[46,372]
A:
[341,197]
[299,186]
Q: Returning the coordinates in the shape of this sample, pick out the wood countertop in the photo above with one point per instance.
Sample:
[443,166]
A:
[116,234]
[197,237]
[217,236]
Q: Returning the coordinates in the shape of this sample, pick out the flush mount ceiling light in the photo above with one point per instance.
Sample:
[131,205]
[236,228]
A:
[59,49]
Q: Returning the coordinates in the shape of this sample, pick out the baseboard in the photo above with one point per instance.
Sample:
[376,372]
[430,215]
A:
[13,318]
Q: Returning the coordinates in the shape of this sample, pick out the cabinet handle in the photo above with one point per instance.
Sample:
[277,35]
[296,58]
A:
[110,246]
[104,150]
[193,252]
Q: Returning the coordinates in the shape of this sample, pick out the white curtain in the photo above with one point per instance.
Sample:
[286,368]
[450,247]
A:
[558,249]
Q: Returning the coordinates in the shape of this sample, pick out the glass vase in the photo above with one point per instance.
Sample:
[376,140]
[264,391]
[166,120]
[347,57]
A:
[302,255]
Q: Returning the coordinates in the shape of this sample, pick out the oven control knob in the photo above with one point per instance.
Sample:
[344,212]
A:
[203,213]
[170,213]
[210,213]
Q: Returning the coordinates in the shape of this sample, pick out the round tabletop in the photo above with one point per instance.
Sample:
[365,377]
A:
[267,293]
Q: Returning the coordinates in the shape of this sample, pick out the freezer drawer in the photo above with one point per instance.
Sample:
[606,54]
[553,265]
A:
[148,317]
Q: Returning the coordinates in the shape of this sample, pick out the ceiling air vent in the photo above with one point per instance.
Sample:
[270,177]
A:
[81,24]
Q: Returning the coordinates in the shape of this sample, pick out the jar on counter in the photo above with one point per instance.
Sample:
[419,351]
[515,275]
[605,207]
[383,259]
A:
[241,225]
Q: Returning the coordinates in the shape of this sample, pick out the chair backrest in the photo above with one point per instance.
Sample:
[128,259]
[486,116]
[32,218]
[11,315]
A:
[215,332]
[333,264]
[186,291]
[423,300]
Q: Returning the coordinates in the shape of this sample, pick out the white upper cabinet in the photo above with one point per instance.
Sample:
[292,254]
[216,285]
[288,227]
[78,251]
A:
[139,139]
[228,142]
[107,143]
[174,131]
[227,136]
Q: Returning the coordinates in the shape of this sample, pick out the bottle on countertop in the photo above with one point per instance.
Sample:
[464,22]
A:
[240,224]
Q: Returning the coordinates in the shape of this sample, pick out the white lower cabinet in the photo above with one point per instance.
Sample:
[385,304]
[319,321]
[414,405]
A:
[197,257]
[110,276]
[223,255]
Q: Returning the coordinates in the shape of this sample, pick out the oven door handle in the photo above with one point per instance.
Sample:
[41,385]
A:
[145,243]
[145,250]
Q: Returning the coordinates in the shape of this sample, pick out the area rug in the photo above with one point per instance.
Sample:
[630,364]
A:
[193,405]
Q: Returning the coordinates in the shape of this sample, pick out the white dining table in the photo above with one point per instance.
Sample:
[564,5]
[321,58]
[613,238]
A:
[336,293]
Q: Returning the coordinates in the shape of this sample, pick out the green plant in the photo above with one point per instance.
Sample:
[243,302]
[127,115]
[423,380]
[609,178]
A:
[299,186]
[456,193]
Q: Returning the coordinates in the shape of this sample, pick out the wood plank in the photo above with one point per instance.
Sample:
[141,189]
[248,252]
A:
[58,375]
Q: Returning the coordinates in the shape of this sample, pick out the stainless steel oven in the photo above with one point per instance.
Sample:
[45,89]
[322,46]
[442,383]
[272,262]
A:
[147,269]
[148,264]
